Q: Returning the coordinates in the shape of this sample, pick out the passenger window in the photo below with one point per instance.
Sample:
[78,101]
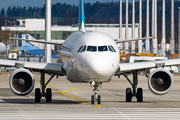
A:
[92,48]
[83,49]
[110,49]
[102,48]
[79,49]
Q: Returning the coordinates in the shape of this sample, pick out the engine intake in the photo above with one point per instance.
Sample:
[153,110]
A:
[160,81]
[21,81]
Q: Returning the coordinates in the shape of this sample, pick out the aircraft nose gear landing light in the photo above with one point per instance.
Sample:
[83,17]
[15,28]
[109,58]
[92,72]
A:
[95,97]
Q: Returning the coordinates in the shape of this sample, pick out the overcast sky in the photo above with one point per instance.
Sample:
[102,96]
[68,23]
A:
[40,3]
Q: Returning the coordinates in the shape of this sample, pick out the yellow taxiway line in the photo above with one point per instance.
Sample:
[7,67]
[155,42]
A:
[63,92]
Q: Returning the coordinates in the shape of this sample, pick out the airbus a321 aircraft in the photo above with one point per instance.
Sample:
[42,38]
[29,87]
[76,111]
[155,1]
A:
[92,57]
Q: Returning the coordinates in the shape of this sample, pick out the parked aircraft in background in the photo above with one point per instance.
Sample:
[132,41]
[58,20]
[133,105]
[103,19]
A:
[2,48]
[89,57]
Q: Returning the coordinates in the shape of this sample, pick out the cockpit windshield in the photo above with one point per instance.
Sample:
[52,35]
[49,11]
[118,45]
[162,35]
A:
[92,48]
[102,48]
[111,48]
[83,49]
[80,48]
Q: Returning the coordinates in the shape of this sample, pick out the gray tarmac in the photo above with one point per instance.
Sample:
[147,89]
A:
[72,101]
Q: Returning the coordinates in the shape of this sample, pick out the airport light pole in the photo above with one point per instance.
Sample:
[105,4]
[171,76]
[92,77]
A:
[172,27]
[163,43]
[179,38]
[133,24]
[147,26]
[126,43]
[153,18]
[153,11]
[48,31]
[140,27]
[155,28]
[120,23]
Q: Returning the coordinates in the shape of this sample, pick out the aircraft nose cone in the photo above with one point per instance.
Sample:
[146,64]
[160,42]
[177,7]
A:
[102,68]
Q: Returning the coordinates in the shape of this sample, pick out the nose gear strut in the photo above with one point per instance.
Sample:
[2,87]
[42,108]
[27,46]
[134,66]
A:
[96,97]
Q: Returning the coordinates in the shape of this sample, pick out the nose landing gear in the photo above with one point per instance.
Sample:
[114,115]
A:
[95,97]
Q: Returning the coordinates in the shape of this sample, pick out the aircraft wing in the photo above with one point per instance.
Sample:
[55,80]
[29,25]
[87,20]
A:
[129,40]
[127,67]
[47,67]
[41,41]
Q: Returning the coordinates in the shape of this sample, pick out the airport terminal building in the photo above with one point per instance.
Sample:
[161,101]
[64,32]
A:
[36,28]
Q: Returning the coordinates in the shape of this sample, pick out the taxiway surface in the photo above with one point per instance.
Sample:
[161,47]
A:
[72,101]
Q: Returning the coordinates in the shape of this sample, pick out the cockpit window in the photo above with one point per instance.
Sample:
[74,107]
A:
[102,48]
[83,49]
[111,48]
[80,49]
[92,48]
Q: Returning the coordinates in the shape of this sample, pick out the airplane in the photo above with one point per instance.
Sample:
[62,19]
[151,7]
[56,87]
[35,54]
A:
[2,47]
[92,57]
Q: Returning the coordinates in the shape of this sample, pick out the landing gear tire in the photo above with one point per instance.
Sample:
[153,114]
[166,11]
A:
[99,99]
[37,95]
[128,95]
[92,99]
[48,95]
[139,95]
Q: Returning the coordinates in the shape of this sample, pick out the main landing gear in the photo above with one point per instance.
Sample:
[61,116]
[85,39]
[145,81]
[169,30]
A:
[39,94]
[130,93]
[95,97]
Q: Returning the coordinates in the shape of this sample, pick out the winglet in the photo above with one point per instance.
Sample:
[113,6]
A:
[81,16]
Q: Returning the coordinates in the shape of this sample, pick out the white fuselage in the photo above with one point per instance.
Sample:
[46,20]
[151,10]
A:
[94,56]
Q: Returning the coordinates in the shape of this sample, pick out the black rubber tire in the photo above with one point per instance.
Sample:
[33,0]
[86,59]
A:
[139,95]
[37,95]
[92,99]
[99,99]
[48,95]
[128,95]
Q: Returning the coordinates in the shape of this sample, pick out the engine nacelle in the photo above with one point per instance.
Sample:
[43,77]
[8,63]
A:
[160,81]
[21,81]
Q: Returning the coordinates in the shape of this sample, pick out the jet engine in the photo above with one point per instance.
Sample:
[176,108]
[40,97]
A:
[21,81]
[160,81]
